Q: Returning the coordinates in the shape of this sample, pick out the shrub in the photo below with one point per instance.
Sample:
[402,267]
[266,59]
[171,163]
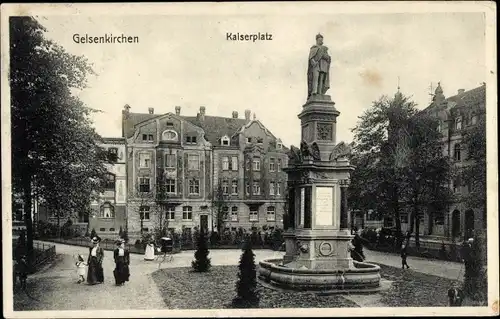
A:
[246,294]
[475,284]
[201,262]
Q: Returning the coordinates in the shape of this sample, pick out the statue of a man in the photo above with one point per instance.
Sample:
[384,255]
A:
[318,78]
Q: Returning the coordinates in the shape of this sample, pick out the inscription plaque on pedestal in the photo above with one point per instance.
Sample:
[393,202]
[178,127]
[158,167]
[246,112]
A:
[324,206]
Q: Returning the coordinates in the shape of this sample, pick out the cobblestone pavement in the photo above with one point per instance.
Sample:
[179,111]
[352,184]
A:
[56,287]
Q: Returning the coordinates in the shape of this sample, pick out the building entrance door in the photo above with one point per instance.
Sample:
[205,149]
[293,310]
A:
[204,223]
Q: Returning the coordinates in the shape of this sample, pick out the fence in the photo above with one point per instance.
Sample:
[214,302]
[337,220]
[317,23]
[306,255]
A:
[449,252]
[43,253]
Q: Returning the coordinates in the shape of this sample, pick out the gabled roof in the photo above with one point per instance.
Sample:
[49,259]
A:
[133,119]
[216,127]
[468,98]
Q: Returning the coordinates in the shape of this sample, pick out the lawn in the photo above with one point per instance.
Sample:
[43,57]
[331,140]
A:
[183,289]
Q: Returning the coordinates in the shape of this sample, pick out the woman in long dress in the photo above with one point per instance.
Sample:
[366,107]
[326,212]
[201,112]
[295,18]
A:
[95,272]
[122,261]
[150,251]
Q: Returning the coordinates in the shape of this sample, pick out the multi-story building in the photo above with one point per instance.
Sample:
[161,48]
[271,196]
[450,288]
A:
[185,159]
[455,114]
[109,213]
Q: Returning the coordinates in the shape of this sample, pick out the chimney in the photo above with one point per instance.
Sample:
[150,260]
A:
[151,110]
[247,115]
[202,113]
[177,110]
[126,109]
[235,115]
[461,91]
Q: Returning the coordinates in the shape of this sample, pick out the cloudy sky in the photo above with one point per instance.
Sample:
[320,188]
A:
[187,61]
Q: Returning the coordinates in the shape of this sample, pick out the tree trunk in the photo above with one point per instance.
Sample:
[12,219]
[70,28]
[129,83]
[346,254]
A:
[417,229]
[28,220]
[397,217]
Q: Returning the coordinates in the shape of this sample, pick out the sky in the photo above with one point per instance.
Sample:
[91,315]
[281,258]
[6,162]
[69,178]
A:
[186,60]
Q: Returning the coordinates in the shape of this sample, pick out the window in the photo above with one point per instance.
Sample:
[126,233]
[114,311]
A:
[256,164]
[278,188]
[225,187]
[249,140]
[234,214]
[225,163]
[170,213]
[474,119]
[272,165]
[456,186]
[403,217]
[107,210]
[147,137]
[271,188]
[224,141]
[187,213]
[234,187]
[144,185]
[438,218]
[169,135]
[144,160]
[225,213]
[170,186]
[271,213]
[458,123]
[194,186]
[170,160]
[145,229]
[260,140]
[193,162]
[247,188]
[170,124]
[279,165]
[102,229]
[456,152]
[191,139]
[254,215]
[113,154]
[256,188]
[110,182]
[234,163]
[248,165]
[111,229]
[144,212]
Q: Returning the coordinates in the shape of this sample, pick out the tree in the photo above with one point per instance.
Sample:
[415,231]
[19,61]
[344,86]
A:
[54,146]
[218,204]
[246,294]
[93,233]
[201,262]
[427,170]
[377,138]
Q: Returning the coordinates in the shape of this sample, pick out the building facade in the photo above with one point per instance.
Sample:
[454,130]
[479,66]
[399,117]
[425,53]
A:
[176,163]
[455,114]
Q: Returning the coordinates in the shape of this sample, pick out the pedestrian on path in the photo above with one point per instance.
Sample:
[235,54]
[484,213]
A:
[81,266]
[357,244]
[122,262]
[149,254]
[95,272]
[404,255]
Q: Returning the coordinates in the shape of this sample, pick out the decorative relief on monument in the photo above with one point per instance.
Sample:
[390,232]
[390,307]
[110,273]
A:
[324,249]
[324,131]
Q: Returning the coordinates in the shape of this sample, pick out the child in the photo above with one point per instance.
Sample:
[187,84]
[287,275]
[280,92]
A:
[21,271]
[80,269]
[404,255]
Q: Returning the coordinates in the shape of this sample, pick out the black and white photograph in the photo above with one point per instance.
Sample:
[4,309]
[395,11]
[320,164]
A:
[249,159]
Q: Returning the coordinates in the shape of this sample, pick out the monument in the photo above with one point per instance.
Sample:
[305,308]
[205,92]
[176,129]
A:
[317,233]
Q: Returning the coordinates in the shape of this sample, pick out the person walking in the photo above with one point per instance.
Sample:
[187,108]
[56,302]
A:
[95,274]
[149,254]
[404,254]
[81,266]
[357,244]
[122,262]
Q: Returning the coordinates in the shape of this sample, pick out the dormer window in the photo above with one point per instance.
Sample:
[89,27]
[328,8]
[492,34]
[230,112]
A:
[170,124]
[249,140]
[279,145]
[260,140]
[191,139]
[225,141]
[169,135]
